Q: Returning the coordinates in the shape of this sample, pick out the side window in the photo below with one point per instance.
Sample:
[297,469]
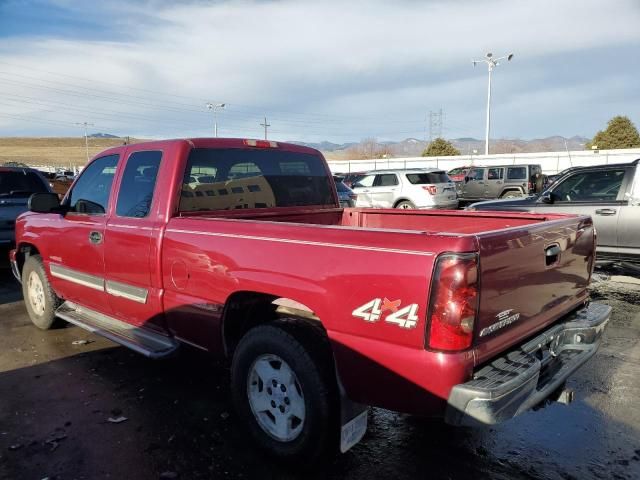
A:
[138,183]
[594,186]
[366,181]
[90,194]
[517,173]
[386,180]
[495,174]
[476,174]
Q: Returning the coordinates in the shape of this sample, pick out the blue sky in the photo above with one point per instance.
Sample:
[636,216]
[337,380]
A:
[322,70]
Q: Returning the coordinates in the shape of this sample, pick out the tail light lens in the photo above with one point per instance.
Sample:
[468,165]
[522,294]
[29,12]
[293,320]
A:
[432,189]
[453,305]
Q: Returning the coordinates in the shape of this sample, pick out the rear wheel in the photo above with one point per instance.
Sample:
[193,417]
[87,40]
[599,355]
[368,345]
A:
[511,194]
[405,204]
[39,298]
[281,389]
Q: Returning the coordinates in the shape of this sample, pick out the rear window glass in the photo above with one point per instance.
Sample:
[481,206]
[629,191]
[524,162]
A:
[517,173]
[17,183]
[428,178]
[229,179]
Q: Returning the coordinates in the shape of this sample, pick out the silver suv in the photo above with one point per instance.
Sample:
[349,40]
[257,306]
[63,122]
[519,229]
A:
[417,188]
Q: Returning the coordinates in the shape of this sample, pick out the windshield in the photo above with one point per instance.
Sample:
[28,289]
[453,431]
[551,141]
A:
[20,183]
[428,178]
[229,179]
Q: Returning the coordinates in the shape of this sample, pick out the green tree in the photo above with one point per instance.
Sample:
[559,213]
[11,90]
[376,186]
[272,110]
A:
[620,133]
[440,148]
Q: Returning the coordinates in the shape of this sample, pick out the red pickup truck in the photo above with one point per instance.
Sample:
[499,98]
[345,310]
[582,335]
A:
[239,247]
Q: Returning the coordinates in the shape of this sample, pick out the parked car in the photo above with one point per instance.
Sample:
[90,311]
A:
[458,174]
[502,181]
[474,317]
[16,186]
[350,178]
[609,193]
[415,188]
[346,196]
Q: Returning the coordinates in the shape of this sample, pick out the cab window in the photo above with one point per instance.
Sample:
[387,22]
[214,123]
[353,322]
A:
[476,174]
[138,184]
[91,192]
[495,174]
[386,180]
[594,186]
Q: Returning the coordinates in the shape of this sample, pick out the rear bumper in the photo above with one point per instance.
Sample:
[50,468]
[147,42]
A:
[523,378]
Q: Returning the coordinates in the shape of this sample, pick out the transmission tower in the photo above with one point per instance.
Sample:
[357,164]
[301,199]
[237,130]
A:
[435,125]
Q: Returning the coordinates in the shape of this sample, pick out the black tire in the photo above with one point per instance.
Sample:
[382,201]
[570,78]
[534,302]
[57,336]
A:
[307,357]
[44,318]
[405,204]
[511,194]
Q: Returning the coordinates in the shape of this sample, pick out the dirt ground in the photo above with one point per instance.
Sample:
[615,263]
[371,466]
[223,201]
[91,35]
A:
[56,399]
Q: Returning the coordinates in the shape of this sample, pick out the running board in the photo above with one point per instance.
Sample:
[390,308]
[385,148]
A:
[141,340]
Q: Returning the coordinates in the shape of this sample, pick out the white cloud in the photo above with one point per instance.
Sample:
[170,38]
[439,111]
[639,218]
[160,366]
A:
[326,70]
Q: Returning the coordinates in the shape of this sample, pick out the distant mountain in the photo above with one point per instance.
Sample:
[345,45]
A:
[102,135]
[413,147]
[327,146]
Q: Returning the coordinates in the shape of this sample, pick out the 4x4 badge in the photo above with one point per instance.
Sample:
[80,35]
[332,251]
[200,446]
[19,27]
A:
[406,317]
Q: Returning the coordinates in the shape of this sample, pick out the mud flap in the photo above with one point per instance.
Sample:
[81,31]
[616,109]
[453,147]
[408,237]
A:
[353,419]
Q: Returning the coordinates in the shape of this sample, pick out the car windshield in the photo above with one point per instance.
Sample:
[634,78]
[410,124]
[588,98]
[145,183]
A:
[427,178]
[20,183]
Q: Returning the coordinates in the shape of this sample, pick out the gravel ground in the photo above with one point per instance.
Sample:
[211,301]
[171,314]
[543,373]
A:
[56,399]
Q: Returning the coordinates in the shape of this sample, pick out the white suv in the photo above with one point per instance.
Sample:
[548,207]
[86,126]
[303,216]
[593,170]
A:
[416,188]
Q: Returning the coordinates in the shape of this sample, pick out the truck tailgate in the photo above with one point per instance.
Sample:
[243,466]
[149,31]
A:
[530,276]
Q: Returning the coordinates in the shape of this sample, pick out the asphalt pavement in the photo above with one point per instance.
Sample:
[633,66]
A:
[76,406]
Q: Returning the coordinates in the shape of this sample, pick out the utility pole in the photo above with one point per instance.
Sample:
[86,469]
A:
[86,137]
[265,125]
[491,64]
[215,107]
[435,125]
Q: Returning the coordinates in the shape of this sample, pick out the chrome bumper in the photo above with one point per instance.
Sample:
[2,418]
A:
[523,378]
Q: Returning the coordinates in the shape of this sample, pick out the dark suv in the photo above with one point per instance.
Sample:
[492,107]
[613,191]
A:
[502,181]
[16,186]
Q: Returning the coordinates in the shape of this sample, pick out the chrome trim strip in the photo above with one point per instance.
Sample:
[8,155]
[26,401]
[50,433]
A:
[305,242]
[129,292]
[84,279]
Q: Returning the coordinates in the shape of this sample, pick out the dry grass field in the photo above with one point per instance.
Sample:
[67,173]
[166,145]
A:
[53,151]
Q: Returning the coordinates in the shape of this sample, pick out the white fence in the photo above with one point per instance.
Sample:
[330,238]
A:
[551,162]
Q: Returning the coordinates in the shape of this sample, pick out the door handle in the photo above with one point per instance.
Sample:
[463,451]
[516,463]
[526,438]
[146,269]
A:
[606,212]
[95,237]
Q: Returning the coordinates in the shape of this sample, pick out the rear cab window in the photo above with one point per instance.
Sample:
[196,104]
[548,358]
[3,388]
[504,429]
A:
[234,178]
[138,184]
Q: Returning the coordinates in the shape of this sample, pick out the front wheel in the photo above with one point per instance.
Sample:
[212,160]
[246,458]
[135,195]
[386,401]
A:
[39,298]
[282,393]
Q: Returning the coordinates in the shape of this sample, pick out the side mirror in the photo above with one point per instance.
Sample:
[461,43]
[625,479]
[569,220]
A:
[44,203]
[546,198]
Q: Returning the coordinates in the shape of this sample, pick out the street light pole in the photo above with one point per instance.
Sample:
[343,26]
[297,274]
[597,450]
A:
[214,107]
[491,64]
[86,137]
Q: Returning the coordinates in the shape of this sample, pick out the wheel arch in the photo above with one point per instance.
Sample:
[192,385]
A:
[23,251]
[400,200]
[511,189]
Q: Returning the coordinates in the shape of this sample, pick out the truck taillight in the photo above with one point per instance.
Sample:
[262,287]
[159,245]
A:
[453,305]
[432,189]
[260,143]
